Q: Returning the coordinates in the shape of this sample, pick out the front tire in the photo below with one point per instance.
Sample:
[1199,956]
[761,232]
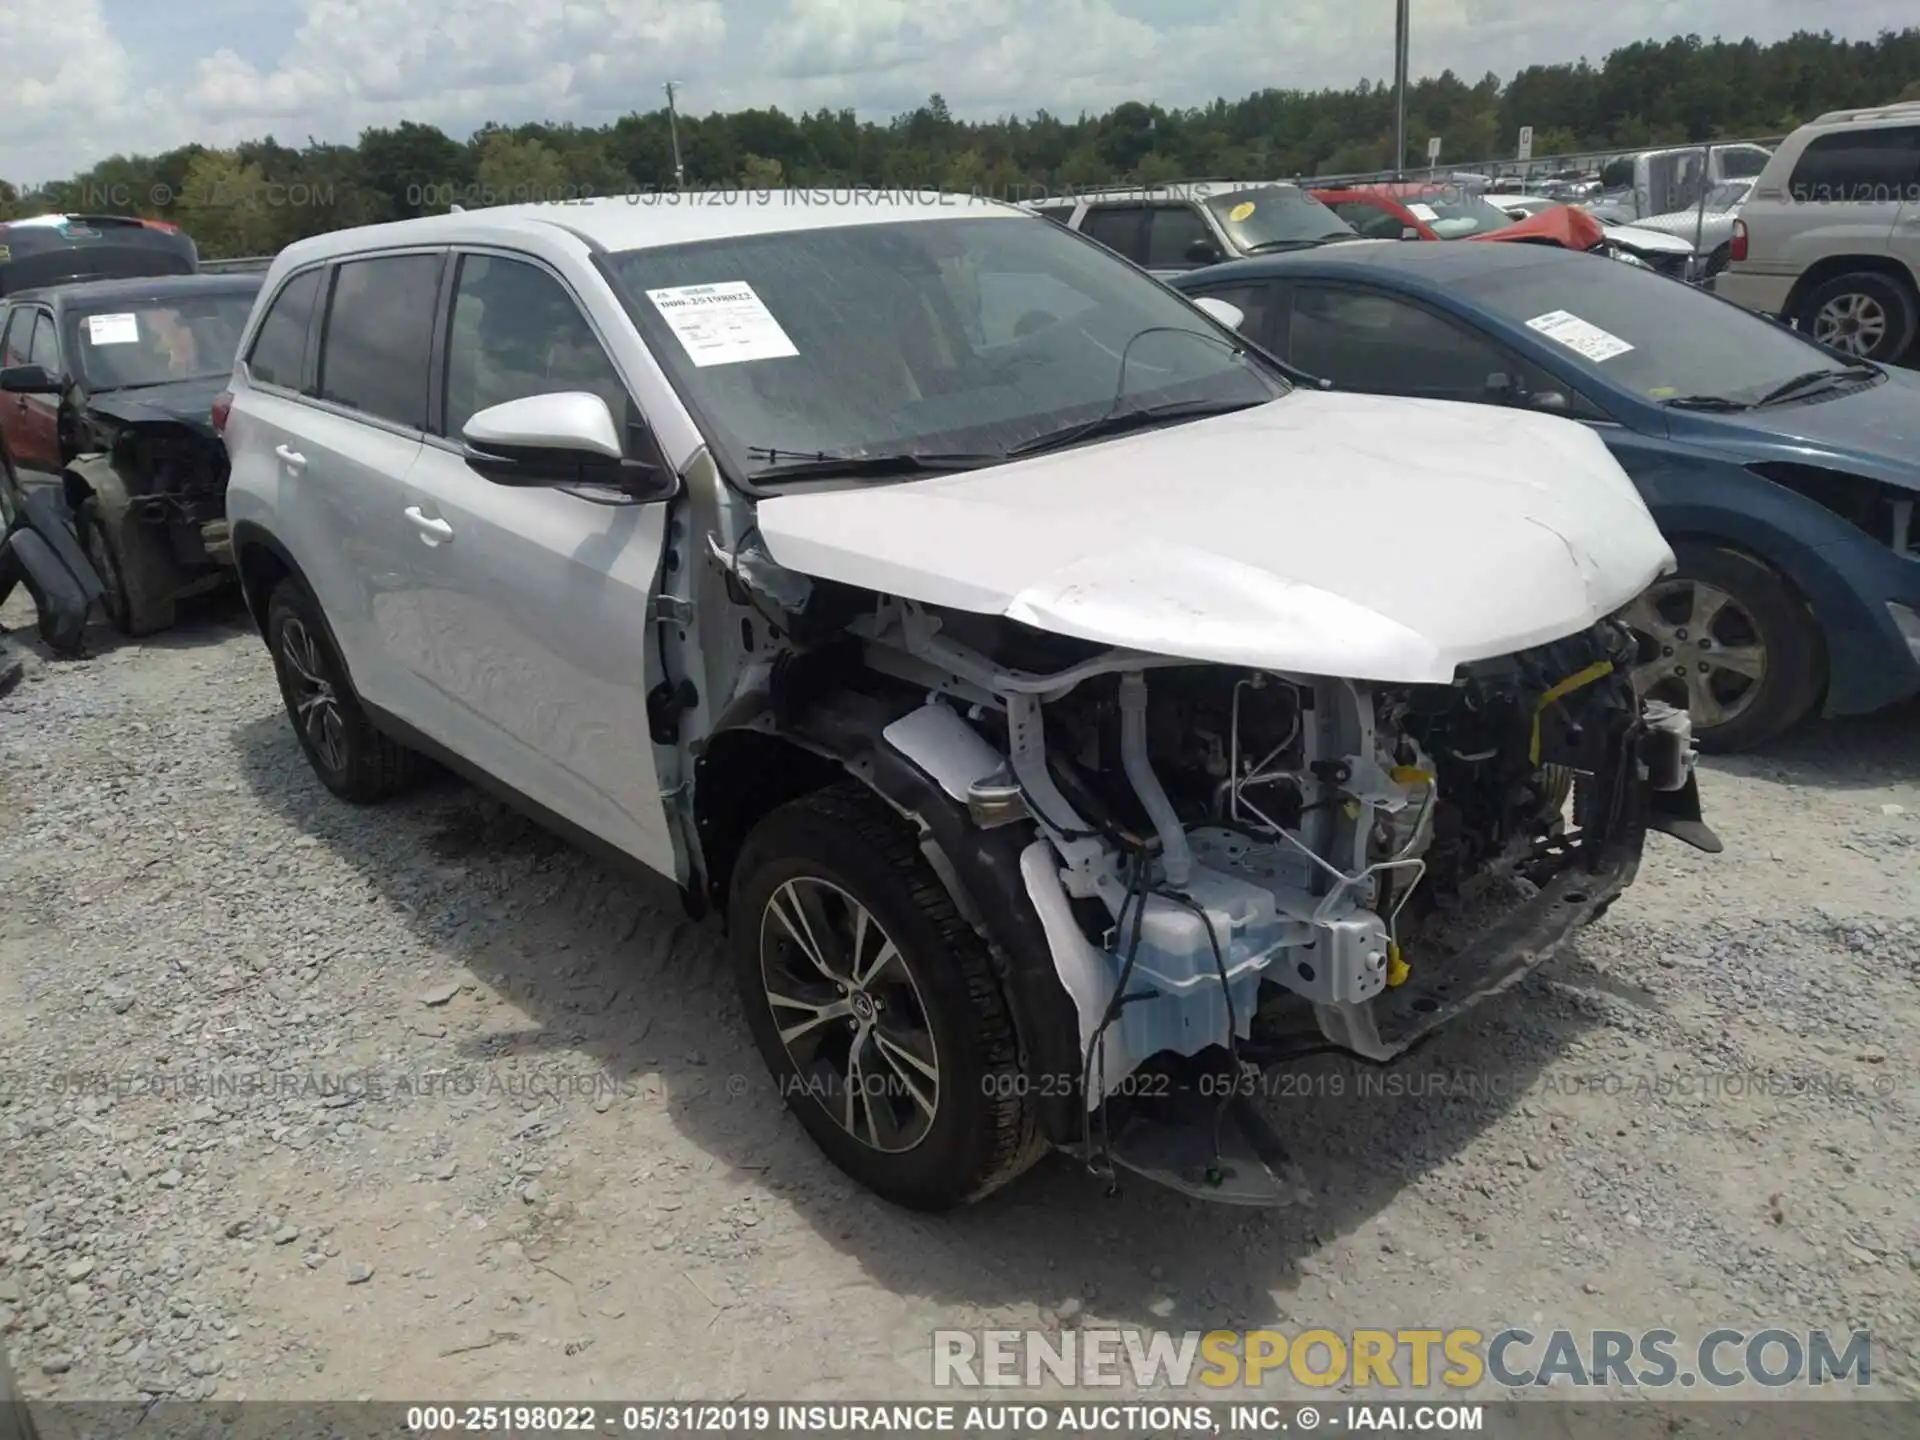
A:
[1865,313]
[139,591]
[875,1005]
[351,757]
[1730,641]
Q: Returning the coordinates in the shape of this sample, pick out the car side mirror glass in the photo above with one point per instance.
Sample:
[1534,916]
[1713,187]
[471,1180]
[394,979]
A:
[566,438]
[1203,252]
[1229,315]
[28,380]
[1548,400]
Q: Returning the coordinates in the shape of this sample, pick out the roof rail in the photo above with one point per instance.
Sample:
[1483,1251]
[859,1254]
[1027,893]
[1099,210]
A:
[1892,110]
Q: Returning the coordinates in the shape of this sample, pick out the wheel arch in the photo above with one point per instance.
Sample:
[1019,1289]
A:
[745,773]
[1832,267]
[263,562]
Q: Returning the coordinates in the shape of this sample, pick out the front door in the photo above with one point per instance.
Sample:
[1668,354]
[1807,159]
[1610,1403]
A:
[32,422]
[527,609]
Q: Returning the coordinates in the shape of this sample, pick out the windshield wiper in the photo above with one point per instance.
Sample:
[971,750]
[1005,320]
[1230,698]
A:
[1268,247]
[1705,402]
[1815,380]
[1122,421]
[784,464]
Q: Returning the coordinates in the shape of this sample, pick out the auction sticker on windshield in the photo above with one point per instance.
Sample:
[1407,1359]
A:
[1577,335]
[722,324]
[1242,211]
[113,329]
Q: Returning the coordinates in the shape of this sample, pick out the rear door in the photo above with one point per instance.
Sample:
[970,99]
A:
[339,448]
[525,611]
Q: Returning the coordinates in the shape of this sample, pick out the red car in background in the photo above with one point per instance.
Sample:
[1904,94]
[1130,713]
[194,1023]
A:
[1431,210]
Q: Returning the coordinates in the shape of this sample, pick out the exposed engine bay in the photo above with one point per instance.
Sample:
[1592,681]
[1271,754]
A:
[174,473]
[1220,847]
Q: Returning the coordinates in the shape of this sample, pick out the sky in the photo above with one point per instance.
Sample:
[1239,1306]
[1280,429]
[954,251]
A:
[140,76]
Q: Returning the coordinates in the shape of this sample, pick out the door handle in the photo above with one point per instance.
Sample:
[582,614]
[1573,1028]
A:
[290,457]
[432,531]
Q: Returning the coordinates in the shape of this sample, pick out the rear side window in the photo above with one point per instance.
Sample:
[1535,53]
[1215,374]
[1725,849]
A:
[379,334]
[13,348]
[1861,166]
[280,349]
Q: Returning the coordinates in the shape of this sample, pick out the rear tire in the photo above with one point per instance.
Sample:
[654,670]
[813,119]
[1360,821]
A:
[1758,668]
[1864,313]
[936,1114]
[352,758]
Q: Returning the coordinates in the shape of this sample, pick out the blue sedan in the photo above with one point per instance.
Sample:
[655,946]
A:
[1783,474]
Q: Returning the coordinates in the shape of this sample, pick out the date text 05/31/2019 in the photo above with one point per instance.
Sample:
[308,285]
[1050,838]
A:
[934,1419]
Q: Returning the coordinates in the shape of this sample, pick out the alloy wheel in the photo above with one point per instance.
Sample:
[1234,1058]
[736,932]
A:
[316,706]
[1856,323]
[849,1014]
[1700,650]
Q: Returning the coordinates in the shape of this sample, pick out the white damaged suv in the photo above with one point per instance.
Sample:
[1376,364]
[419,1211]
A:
[1065,711]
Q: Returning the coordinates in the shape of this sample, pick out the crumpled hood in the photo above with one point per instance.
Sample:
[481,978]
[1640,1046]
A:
[183,402]
[1331,534]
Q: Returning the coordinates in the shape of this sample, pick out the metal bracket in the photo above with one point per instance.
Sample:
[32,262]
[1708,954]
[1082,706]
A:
[673,609]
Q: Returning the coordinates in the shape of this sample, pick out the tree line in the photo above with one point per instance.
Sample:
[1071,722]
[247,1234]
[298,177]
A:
[255,197]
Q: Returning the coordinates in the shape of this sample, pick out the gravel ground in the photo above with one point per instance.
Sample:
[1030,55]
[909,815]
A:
[304,1101]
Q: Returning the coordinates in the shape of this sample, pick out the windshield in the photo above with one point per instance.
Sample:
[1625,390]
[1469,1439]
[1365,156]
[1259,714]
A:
[1657,339]
[926,336]
[1274,217]
[1454,214]
[155,342]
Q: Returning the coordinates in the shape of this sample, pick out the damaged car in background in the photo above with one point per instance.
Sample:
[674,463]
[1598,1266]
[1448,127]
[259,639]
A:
[1065,710]
[106,389]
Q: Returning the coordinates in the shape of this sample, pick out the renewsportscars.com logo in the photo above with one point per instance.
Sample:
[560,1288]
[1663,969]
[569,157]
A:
[1394,1359]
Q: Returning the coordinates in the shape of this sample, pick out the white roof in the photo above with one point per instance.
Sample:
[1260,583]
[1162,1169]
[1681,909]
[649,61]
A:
[643,221]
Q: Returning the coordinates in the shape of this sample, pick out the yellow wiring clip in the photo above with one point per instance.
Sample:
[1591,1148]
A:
[1397,968]
[1600,669]
[1410,775]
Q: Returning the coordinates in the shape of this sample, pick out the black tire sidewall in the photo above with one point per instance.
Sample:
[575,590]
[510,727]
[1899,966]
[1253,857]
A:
[946,1166]
[291,602]
[1795,655]
[115,601]
[1897,299]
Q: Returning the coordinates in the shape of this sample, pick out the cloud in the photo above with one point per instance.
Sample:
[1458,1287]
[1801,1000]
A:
[124,75]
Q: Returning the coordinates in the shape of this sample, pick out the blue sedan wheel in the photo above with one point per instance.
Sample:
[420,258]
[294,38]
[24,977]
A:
[1726,639]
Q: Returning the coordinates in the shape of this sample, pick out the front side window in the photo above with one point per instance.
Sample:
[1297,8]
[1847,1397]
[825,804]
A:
[517,332]
[280,349]
[1381,344]
[159,341]
[378,337]
[1176,238]
[44,348]
[968,335]
[1860,166]
[1121,228]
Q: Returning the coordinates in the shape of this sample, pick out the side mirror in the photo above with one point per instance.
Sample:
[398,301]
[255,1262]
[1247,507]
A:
[1203,252]
[1408,232]
[1501,388]
[28,380]
[1231,316]
[1547,400]
[567,438]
